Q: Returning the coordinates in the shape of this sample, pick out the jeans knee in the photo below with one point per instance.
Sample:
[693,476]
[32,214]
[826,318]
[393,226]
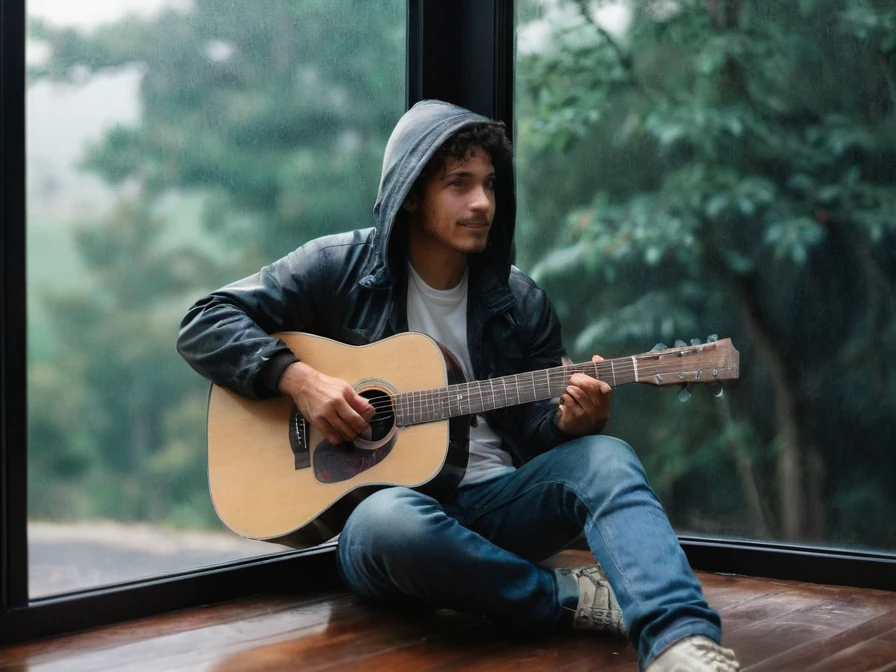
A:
[393,518]
[608,459]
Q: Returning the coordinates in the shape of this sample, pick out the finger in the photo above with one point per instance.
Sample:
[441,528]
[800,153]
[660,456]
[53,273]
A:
[341,427]
[596,359]
[582,399]
[562,413]
[330,434]
[585,382]
[360,405]
[354,422]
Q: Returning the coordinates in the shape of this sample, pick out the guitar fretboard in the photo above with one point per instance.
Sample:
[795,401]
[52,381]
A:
[414,408]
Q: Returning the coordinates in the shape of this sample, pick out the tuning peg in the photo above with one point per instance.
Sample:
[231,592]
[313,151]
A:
[716,390]
[712,338]
[696,341]
[679,343]
[658,346]
[684,393]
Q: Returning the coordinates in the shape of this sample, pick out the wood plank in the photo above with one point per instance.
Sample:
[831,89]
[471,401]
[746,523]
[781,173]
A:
[131,631]
[865,656]
[191,646]
[350,639]
[805,654]
[773,626]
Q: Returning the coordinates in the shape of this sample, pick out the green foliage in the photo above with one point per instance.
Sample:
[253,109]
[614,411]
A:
[275,121]
[734,172]
[280,115]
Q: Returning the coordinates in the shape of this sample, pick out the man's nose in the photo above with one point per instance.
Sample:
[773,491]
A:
[480,199]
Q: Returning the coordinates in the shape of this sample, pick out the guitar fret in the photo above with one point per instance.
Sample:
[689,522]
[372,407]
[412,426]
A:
[475,397]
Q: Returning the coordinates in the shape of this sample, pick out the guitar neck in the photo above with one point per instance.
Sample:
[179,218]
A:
[480,396]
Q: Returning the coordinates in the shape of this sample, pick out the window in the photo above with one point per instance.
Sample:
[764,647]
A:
[172,147]
[690,168]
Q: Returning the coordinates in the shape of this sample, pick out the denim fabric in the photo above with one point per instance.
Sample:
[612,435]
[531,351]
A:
[474,551]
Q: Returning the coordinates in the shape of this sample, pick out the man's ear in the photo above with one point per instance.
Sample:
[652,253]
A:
[411,203]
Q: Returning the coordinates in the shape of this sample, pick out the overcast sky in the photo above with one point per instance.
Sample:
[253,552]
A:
[88,13]
[62,119]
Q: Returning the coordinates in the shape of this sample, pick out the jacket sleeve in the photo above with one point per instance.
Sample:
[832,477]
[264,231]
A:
[226,335]
[545,351]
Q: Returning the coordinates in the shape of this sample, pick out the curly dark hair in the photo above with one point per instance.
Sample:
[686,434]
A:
[491,136]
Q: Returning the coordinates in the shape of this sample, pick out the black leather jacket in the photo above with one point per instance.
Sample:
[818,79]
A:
[352,287]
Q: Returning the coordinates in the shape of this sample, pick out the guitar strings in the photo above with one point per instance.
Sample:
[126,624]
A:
[546,380]
[555,377]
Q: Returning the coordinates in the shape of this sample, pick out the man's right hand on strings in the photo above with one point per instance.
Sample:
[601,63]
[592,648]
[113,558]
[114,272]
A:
[331,405]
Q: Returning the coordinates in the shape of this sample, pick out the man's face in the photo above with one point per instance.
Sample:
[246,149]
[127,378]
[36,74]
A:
[456,206]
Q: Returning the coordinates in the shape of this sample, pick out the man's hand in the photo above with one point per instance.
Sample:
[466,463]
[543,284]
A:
[585,407]
[329,404]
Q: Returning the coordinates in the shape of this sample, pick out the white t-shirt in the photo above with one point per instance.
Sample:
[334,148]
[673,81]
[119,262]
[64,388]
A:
[442,315]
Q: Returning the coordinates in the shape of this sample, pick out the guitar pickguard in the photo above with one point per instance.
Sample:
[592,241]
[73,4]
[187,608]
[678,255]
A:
[341,462]
[336,463]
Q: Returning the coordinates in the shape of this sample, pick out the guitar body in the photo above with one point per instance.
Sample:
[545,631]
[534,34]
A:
[273,477]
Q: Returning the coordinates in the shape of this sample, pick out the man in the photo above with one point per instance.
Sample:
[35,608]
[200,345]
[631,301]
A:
[539,474]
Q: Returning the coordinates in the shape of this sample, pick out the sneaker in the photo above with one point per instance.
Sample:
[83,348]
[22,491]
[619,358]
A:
[597,608]
[695,654]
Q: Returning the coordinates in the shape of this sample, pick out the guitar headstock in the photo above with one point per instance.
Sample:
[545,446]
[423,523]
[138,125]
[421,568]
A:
[710,362]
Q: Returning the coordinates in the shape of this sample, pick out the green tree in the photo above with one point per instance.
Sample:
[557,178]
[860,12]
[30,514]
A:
[728,166]
[274,118]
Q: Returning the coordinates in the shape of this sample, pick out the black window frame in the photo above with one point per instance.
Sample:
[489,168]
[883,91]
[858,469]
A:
[462,51]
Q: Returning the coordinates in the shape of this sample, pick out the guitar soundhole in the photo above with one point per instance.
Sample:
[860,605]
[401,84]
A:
[384,420]
[344,461]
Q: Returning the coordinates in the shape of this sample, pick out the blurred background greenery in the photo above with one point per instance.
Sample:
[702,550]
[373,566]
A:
[685,167]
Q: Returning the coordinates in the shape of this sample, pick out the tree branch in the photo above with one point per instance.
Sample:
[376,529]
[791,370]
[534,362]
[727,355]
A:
[625,59]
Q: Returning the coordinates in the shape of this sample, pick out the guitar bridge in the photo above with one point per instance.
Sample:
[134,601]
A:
[298,440]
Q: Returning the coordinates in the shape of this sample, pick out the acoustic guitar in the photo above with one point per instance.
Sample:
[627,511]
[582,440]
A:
[273,477]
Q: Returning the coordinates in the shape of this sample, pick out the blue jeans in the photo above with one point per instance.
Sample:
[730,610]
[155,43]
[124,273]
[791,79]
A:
[474,551]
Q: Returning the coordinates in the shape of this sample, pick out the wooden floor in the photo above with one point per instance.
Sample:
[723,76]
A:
[773,625]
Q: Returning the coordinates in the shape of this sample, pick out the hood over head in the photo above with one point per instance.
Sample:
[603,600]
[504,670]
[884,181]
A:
[416,138]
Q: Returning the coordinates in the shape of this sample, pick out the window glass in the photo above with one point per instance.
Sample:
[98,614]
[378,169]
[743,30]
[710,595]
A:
[689,168]
[173,146]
